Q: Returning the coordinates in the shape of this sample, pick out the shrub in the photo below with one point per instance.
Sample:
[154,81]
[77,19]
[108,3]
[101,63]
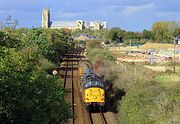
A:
[151,102]
[29,95]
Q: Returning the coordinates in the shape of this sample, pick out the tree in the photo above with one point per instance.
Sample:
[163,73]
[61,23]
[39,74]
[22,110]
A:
[76,32]
[116,35]
[176,32]
[102,34]
[163,31]
[29,95]
[147,35]
[9,23]
[130,35]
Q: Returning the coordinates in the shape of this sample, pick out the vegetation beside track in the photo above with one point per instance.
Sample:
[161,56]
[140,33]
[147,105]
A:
[29,91]
[150,97]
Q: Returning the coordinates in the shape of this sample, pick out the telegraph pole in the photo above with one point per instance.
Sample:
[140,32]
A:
[174,61]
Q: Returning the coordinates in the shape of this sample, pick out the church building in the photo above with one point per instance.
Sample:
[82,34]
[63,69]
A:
[72,25]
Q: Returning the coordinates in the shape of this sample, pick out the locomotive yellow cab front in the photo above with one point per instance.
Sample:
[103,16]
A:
[94,95]
[94,92]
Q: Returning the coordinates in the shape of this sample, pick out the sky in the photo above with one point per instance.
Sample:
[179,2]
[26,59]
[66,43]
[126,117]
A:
[130,15]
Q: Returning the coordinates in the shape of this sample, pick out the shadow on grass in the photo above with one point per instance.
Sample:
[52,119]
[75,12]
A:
[113,96]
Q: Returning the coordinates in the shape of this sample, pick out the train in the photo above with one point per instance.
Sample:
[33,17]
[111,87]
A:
[92,89]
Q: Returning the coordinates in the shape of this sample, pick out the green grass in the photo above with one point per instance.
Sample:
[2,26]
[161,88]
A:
[168,80]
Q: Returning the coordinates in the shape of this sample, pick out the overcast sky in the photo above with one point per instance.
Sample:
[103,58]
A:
[133,15]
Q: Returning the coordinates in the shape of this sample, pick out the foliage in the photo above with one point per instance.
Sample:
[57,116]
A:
[177,32]
[100,54]
[45,64]
[155,101]
[163,31]
[9,40]
[9,23]
[76,32]
[147,35]
[28,93]
[101,34]
[115,35]
[151,103]
[91,44]
[79,32]
[131,35]
[95,52]
[51,43]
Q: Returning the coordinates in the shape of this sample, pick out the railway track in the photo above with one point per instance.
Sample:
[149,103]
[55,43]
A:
[73,94]
[65,74]
[72,83]
[69,81]
[103,118]
[97,118]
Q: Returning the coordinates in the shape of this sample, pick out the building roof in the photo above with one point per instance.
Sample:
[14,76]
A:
[63,24]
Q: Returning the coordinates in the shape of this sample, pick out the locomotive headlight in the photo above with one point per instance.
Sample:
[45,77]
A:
[95,97]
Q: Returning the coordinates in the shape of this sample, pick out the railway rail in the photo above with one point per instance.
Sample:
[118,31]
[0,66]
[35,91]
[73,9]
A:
[71,84]
[97,118]
[103,118]
[65,74]
[69,80]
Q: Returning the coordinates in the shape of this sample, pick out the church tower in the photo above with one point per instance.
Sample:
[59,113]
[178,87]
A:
[80,24]
[45,18]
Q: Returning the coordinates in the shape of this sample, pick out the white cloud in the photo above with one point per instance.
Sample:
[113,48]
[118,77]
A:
[130,10]
[168,14]
[67,15]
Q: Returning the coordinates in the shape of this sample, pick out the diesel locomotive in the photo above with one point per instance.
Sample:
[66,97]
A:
[92,89]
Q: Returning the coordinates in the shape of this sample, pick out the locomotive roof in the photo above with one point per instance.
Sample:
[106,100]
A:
[92,77]
[87,71]
[92,80]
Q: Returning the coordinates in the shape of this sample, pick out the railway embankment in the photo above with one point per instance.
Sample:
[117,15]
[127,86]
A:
[148,96]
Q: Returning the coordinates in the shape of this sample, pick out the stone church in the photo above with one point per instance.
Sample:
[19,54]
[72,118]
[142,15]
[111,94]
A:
[72,25]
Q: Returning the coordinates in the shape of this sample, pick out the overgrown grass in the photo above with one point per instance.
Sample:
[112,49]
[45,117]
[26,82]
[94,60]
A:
[100,54]
[46,64]
[155,102]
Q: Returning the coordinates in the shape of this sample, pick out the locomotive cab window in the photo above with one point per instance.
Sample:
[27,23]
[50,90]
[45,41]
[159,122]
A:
[88,85]
[94,84]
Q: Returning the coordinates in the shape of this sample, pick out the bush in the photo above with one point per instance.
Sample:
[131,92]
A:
[154,102]
[29,95]
[151,104]
[100,54]
[91,44]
